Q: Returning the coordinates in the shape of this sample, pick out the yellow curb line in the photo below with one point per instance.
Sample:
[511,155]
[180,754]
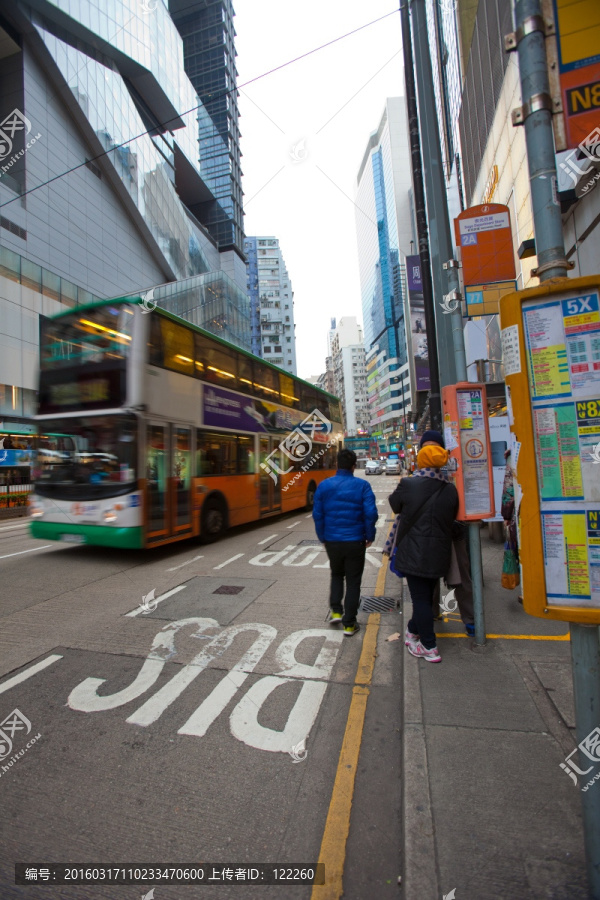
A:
[512,637]
[337,825]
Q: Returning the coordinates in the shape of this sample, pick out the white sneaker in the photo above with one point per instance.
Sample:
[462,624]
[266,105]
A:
[419,650]
[410,638]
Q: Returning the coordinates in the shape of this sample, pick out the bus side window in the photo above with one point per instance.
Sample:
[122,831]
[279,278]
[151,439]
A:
[290,395]
[216,454]
[155,349]
[178,347]
[245,456]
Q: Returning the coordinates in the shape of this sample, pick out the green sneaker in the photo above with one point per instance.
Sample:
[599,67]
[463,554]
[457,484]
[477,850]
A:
[335,618]
[349,630]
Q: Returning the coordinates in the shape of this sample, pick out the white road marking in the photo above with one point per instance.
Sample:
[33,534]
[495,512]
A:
[227,561]
[270,557]
[309,516]
[138,611]
[188,563]
[380,502]
[27,673]
[12,527]
[244,722]
[21,552]
[293,525]
[267,539]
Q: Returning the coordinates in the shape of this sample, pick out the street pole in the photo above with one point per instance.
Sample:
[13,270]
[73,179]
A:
[460,362]
[440,233]
[435,400]
[536,115]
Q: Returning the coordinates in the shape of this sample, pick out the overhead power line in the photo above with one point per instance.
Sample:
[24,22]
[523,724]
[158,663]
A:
[195,108]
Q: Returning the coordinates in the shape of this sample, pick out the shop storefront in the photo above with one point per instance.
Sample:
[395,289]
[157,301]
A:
[16,459]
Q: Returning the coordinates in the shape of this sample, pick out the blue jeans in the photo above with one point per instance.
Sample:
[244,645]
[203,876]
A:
[421,594]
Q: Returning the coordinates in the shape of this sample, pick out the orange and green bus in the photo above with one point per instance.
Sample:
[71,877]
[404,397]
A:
[156,431]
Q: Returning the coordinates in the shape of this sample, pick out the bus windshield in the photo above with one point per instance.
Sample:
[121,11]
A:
[91,336]
[88,452]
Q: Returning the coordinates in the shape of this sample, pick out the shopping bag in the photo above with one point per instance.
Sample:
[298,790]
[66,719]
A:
[511,576]
[393,564]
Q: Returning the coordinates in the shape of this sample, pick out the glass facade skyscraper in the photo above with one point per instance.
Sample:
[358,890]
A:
[384,233]
[111,170]
[206,27]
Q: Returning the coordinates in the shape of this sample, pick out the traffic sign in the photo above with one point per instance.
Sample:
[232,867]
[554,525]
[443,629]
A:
[578,40]
[484,299]
[550,340]
[484,236]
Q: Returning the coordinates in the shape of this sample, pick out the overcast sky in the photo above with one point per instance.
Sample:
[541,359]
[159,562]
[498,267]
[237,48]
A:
[304,133]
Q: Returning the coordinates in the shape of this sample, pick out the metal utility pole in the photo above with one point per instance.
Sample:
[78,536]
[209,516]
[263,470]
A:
[441,245]
[536,116]
[435,400]
[450,326]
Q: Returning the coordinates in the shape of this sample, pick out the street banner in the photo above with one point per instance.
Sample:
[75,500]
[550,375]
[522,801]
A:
[418,334]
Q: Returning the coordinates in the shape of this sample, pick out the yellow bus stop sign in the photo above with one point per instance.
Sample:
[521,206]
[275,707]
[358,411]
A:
[551,352]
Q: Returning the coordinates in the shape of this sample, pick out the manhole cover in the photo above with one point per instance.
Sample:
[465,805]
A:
[310,543]
[228,589]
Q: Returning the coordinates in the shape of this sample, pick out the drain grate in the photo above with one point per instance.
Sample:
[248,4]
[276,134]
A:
[228,589]
[378,604]
[310,543]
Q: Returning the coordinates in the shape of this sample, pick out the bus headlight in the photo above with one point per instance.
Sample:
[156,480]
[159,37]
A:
[110,515]
[35,510]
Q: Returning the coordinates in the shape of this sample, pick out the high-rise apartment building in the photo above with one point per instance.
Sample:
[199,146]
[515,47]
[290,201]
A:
[384,234]
[350,379]
[111,169]
[271,302]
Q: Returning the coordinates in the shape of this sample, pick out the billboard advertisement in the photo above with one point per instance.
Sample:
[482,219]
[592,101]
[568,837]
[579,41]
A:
[418,334]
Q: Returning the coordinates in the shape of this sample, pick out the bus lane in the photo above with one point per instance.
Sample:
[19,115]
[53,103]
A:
[207,722]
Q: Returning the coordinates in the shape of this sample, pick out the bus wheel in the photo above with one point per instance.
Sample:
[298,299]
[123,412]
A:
[214,520]
[310,495]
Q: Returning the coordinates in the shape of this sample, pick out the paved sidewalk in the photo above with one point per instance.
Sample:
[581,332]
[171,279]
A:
[488,812]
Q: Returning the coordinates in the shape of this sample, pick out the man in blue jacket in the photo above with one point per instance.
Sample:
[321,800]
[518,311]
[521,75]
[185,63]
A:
[345,514]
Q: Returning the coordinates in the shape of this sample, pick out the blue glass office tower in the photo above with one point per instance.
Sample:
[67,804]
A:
[384,234]
[206,27]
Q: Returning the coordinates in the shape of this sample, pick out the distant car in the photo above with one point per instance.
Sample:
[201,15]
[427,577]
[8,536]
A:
[392,467]
[373,467]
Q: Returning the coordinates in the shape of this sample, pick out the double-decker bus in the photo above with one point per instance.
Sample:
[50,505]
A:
[153,430]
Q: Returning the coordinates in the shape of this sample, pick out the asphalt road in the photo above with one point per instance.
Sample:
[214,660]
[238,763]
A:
[171,736]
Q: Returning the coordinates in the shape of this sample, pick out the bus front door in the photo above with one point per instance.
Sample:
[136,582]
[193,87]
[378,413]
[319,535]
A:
[270,481]
[157,482]
[168,482]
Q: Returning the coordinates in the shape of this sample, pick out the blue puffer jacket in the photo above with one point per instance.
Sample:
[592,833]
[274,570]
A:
[345,509]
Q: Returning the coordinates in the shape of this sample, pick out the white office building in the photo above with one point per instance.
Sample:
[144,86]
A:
[350,380]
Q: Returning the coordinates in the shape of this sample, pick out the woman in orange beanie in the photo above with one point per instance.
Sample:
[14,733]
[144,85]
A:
[427,504]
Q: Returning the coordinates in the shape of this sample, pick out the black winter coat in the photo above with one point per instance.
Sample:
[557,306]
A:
[425,550]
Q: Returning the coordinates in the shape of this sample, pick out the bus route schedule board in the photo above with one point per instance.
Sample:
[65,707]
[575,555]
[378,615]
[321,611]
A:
[551,351]
[467,438]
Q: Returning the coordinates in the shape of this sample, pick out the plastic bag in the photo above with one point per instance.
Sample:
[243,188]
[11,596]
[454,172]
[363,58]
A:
[511,576]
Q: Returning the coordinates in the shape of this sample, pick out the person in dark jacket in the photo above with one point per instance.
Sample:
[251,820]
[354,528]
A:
[345,514]
[428,505]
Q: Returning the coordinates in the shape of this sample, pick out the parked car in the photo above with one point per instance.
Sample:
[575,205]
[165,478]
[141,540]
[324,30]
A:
[373,467]
[392,467]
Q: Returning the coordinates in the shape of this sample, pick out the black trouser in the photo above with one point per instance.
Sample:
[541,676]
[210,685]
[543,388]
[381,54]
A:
[347,560]
[421,594]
